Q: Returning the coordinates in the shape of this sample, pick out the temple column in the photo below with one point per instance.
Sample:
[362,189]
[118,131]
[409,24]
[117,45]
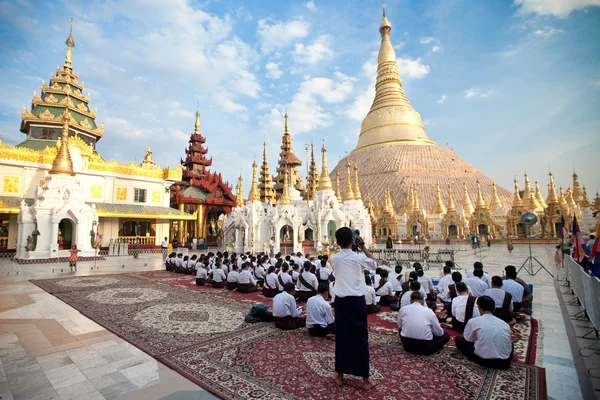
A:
[199,220]
[180,226]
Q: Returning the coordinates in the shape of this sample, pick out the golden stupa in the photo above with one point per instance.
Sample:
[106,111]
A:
[394,150]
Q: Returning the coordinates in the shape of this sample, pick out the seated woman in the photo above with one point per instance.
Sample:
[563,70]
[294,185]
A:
[201,275]
[385,290]
[307,283]
[232,278]
[270,286]
[245,281]
[170,262]
[218,276]
[370,296]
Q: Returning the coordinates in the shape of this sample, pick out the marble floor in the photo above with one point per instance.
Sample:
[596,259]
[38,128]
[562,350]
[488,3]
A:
[48,350]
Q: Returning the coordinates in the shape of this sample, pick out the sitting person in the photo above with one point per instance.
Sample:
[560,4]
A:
[259,271]
[285,311]
[218,276]
[397,279]
[463,307]
[385,290]
[370,296]
[307,283]
[232,278]
[201,275]
[178,263]
[245,280]
[319,318]
[170,262]
[517,290]
[427,285]
[487,340]
[456,278]
[527,295]
[414,286]
[284,277]
[323,272]
[295,273]
[478,265]
[270,288]
[502,299]
[442,286]
[477,286]
[419,328]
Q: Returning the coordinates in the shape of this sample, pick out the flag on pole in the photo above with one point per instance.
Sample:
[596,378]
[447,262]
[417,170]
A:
[580,249]
[418,225]
[595,250]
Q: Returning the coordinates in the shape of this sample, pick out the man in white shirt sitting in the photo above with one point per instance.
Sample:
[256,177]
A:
[464,308]
[479,265]
[319,318]
[442,286]
[414,286]
[510,285]
[307,283]
[477,286]
[323,272]
[245,281]
[487,339]
[502,300]
[232,278]
[419,328]
[201,275]
[285,311]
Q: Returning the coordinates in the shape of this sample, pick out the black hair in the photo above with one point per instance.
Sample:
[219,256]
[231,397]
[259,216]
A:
[478,265]
[384,273]
[420,272]
[447,269]
[285,267]
[186,258]
[344,237]
[456,276]
[415,285]
[398,268]
[307,266]
[478,272]
[486,302]
[271,269]
[450,264]
[413,276]
[416,296]
[417,266]
[497,281]
[323,287]
[378,271]
[461,287]
[289,287]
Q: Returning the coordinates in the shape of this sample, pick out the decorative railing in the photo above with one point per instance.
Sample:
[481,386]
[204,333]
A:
[141,239]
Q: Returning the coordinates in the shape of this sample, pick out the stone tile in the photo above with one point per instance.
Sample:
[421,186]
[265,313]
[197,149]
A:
[99,371]
[55,360]
[146,379]
[68,346]
[140,369]
[135,395]
[6,395]
[86,357]
[41,352]
[160,390]
[65,376]
[107,347]
[76,390]
[185,395]
[107,380]
[96,395]
[36,393]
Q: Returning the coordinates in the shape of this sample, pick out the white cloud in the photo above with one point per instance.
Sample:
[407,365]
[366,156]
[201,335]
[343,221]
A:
[475,92]
[436,44]
[310,5]
[427,40]
[229,106]
[443,99]
[547,32]
[410,68]
[558,8]
[280,34]
[273,70]
[361,105]
[314,53]
[436,48]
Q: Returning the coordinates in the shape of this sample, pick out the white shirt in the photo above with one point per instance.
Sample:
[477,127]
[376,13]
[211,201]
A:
[285,277]
[311,279]
[233,276]
[514,288]
[239,262]
[178,262]
[294,275]
[418,322]
[271,281]
[349,275]
[442,288]
[491,336]
[318,312]
[426,283]
[324,273]
[405,299]
[498,296]
[218,275]
[201,273]
[259,272]
[284,305]
[459,308]
[485,277]
[246,277]
[386,290]
[164,243]
[396,284]
[477,286]
[370,296]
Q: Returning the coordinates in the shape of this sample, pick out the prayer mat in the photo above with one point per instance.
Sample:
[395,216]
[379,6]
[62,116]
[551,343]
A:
[200,332]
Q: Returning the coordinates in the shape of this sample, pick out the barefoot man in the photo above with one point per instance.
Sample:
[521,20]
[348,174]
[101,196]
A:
[352,344]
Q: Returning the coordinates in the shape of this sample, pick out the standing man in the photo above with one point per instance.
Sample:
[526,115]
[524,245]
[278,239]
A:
[352,342]
[164,247]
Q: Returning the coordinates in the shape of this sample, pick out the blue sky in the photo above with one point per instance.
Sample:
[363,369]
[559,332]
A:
[511,86]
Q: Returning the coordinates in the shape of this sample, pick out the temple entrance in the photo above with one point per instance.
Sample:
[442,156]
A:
[331,228]
[521,230]
[482,229]
[309,234]
[453,231]
[558,230]
[4,224]
[65,234]
[286,234]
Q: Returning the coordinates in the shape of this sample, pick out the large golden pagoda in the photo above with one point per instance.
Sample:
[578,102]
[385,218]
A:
[394,150]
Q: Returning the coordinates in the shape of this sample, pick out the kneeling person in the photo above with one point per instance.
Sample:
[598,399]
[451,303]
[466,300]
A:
[420,330]
[245,281]
[319,318]
[285,311]
[487,339]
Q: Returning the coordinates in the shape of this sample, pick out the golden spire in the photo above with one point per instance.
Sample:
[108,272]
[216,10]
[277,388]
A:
[197,123]
[451,206]
[496,204]
[539,197]
[467,205]
[563,201]
[586,200]
[312,183]
[239,196]
[411,199]
[571,200]
[438,207]
[391,117]
[357,194]
[70,44]
[529,201]
[285,196]
[286,130]
[552,196]
[62,164]
[254,195]
[386,203]
[517,202]
[480,203]
[338,194]
[349,195]
[377,210]
[577,194]
[417,208]
[390,205]
[148,162]
[325,180]
[266,188]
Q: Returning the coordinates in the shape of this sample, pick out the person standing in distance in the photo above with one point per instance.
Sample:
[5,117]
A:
[352,341]
[164,247]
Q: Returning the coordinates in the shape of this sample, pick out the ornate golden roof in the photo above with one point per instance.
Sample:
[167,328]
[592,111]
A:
[357,194]
[62,164]
[563,202]
[577,193]
[451,206]
[254,195]
[529,201]
[586,200]
[325,181]
[239,196]
[266,187]
[570,200]
[539,197]
[349,194]
[288,161]
[517,202]
[312,181]
[439,207]
[467,205]
[480,203]
[552,195]
[285,196]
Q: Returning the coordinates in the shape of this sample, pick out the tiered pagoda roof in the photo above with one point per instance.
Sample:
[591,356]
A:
[44,120]
[312,181]
[288,162]
[198,184]
[266,187]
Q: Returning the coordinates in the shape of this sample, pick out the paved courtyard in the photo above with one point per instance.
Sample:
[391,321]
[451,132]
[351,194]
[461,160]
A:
[48,350]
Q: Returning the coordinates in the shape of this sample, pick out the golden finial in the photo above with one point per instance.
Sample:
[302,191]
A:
[517,202]
[325,180]
[385,24]
[239,196]
[451,206]
[539,197]
[496,204]
[285,196]
[563,201]
[357,194]
[253,195]
[286,130]
[338,194]
[552,195]
[467,205]
[197,123]
[349,195]
[438,207]
[148,158]
[70,44]
[62,164]
[480,203]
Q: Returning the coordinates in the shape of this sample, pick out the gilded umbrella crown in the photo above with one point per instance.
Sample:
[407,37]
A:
[357,194]
[62,164]
[325,180]
[349,192]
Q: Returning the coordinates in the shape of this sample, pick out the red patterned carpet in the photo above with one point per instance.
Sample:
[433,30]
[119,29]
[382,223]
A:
[201,333]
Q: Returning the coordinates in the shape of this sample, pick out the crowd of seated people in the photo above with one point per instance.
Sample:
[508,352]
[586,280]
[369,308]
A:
[480,307]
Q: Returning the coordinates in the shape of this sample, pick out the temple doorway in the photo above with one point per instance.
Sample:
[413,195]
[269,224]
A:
[331,228]
[558,229]
[453,231]
[482,229]
[521,230]
[286,234]
[65,234]
[309,234]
